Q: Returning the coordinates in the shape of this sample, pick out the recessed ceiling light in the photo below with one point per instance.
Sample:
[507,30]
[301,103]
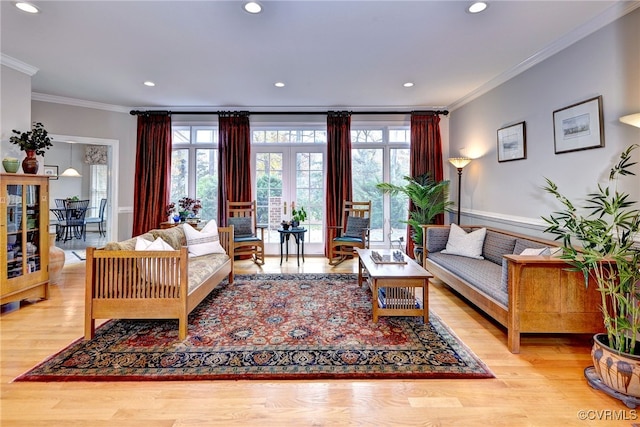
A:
[477,7]
[278,84]
[253,7]
[26,7]
[408,84]
[149,83]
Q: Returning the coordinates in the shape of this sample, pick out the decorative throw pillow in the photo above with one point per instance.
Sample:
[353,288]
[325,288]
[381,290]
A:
[156,245]
[465,244]
[205,241]
[536,251]
[241,226]
[355,226]
[148,267]
[174,236]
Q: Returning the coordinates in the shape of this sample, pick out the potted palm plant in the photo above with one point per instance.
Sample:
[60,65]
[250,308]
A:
[429,197]
[34,143]
[609,257]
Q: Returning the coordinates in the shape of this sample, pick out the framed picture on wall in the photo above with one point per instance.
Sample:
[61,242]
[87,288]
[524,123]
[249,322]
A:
[51,171]
[512,143]
[579,126]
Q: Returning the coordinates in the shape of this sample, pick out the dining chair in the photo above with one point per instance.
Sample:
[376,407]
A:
[99,219]
[76,214]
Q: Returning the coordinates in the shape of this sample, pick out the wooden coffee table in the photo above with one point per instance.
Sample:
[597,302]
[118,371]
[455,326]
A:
[394,287]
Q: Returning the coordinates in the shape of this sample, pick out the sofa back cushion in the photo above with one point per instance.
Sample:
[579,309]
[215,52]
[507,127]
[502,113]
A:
[174,236]
[496,245]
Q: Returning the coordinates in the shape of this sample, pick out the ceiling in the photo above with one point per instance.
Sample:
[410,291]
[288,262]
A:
[353,54]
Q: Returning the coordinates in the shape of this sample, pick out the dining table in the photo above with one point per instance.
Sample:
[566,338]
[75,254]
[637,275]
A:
[70,222]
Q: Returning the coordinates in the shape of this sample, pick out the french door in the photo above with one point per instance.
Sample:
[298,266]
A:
[287,176]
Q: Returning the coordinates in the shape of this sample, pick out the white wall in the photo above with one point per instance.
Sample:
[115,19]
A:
[508,194]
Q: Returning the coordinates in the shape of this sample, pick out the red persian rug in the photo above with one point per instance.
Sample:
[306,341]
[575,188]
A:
[270,326]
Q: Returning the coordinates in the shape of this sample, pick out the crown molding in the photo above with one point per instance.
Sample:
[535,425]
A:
[35,96]
[18,65]
[613,13]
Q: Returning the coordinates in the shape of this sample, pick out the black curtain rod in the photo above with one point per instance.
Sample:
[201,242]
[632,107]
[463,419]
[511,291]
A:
[288,113]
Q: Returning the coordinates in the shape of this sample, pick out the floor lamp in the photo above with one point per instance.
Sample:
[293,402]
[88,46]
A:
[459,163]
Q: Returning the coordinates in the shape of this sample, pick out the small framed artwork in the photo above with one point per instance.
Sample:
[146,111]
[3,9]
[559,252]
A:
[512,143]
[51,171]
[579,126]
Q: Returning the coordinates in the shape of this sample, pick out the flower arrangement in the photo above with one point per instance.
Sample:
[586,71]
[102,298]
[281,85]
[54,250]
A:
[187,204]
[36,139]
[168,210]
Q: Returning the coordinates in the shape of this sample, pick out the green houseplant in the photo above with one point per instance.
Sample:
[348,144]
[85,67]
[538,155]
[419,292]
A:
[34,143]
[608,257]
[298,216]
[429,198]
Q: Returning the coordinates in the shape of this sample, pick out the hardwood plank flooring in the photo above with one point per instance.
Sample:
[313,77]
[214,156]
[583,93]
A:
[542,386]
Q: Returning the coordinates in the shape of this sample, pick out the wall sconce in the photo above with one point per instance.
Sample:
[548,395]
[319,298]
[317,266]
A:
[631,119]
[459,163]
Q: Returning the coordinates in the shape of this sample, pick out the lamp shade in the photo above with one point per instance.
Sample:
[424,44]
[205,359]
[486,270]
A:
[459,162]
[71,173]
[631,119]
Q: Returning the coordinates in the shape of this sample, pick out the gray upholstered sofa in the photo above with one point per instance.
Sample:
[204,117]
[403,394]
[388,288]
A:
[524,293]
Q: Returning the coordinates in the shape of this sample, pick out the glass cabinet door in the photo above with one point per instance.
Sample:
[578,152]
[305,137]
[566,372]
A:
[23,232]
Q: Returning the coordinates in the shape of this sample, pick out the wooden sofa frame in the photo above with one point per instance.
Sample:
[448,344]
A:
[544,296]
[116,289]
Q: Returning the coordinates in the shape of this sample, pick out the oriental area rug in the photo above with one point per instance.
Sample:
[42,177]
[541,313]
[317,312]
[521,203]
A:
[274,327]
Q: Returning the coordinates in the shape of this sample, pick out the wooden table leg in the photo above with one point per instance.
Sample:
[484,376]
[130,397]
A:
[374,300]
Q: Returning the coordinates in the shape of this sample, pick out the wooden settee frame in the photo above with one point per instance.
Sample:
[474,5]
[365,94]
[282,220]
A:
[116,289]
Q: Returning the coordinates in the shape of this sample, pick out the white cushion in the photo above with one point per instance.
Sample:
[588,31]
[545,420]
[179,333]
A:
[147,245]
[465,244]
[536,251]
[148,269]
[205,241]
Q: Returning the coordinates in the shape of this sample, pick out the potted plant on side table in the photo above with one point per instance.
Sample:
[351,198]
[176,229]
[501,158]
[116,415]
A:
[609,257]
[298,216]
[429,198]
[34,143]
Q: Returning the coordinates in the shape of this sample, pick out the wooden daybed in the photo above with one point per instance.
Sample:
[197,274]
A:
[123,283]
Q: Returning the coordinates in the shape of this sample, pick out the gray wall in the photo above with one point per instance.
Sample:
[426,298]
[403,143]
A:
[70,120]
[508,194]
[15,109]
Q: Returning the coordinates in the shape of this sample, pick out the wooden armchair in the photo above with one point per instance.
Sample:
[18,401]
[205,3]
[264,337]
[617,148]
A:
[353,231]
[246,239]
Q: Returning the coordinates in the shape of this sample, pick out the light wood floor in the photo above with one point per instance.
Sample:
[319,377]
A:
[542,386]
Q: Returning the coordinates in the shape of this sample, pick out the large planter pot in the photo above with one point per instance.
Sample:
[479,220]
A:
[56,261]
[618,371]
[30,163]
[418,252]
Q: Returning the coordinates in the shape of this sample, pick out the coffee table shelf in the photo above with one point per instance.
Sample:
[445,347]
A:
[399,283]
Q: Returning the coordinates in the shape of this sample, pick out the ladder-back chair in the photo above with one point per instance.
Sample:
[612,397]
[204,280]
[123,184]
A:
[353,231]
[246,238]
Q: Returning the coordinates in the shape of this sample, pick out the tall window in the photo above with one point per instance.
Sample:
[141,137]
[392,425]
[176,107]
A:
[98,184]
[194,166]
[381,154]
